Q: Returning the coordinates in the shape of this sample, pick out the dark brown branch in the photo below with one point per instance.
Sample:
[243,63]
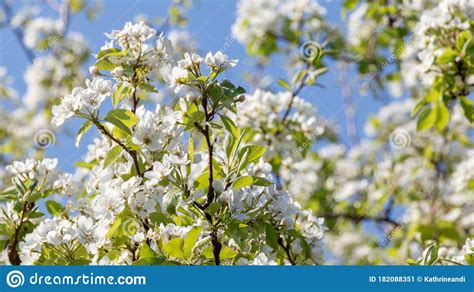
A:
[132,153]
[210,150]
[359,218]
[12,251]
[205,131]
[216,248]
[287,251]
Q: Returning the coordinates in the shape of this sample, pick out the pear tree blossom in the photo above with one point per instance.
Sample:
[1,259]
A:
[189,166]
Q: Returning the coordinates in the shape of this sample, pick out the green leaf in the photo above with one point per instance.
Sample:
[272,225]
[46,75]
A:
[412,262]
[105,64]
[433,95]
[284,84]
[242,181]
[247,180]
[213,208]
[82,130]
[426,119]
[202,182]
[469,258]
[260,181]
[468,108]
[350,4]
[113,155]
[106,52]
[447,56]
[113,230]
[227,253]
[119,94]
[171,200]
[126,117]
[190,241]
[76,5]
[148,87]
[229,142]
[230,126]
[431,255]
[54,208]
[254,153]
[418,107]
[207,253]
[124,130]
[174,248]
[87,165]
[271,236]
[230,90]
[202,79]
[149,261]
[463,40]
[442,116]
[158,218]
[145,251]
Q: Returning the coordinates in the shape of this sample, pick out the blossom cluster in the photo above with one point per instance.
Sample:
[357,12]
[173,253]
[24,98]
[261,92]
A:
[166,185]
[437,30]
[82,100]
[263,112]
[259,24]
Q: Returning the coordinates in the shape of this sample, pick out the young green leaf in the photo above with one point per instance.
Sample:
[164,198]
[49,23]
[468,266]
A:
[442,116]
[190,241]
[447,56]
[82,130]
[174,248]
[113,155]
[271,236]
[242,181]
[426,119]
[54,208]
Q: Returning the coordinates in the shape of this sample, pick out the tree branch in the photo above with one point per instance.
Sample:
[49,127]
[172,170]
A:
[359,218]
[13,256]
[132,153]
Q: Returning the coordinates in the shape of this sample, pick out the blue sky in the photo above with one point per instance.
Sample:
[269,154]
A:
[210,23]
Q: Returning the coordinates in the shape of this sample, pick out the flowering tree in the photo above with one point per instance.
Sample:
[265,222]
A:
[188,168]
[182,186]
[394,169]
[54,56]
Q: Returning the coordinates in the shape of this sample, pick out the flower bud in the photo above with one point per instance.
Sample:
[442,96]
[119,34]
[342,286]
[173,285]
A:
[192,98]
[93,70]
[117,72]
[240,98]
